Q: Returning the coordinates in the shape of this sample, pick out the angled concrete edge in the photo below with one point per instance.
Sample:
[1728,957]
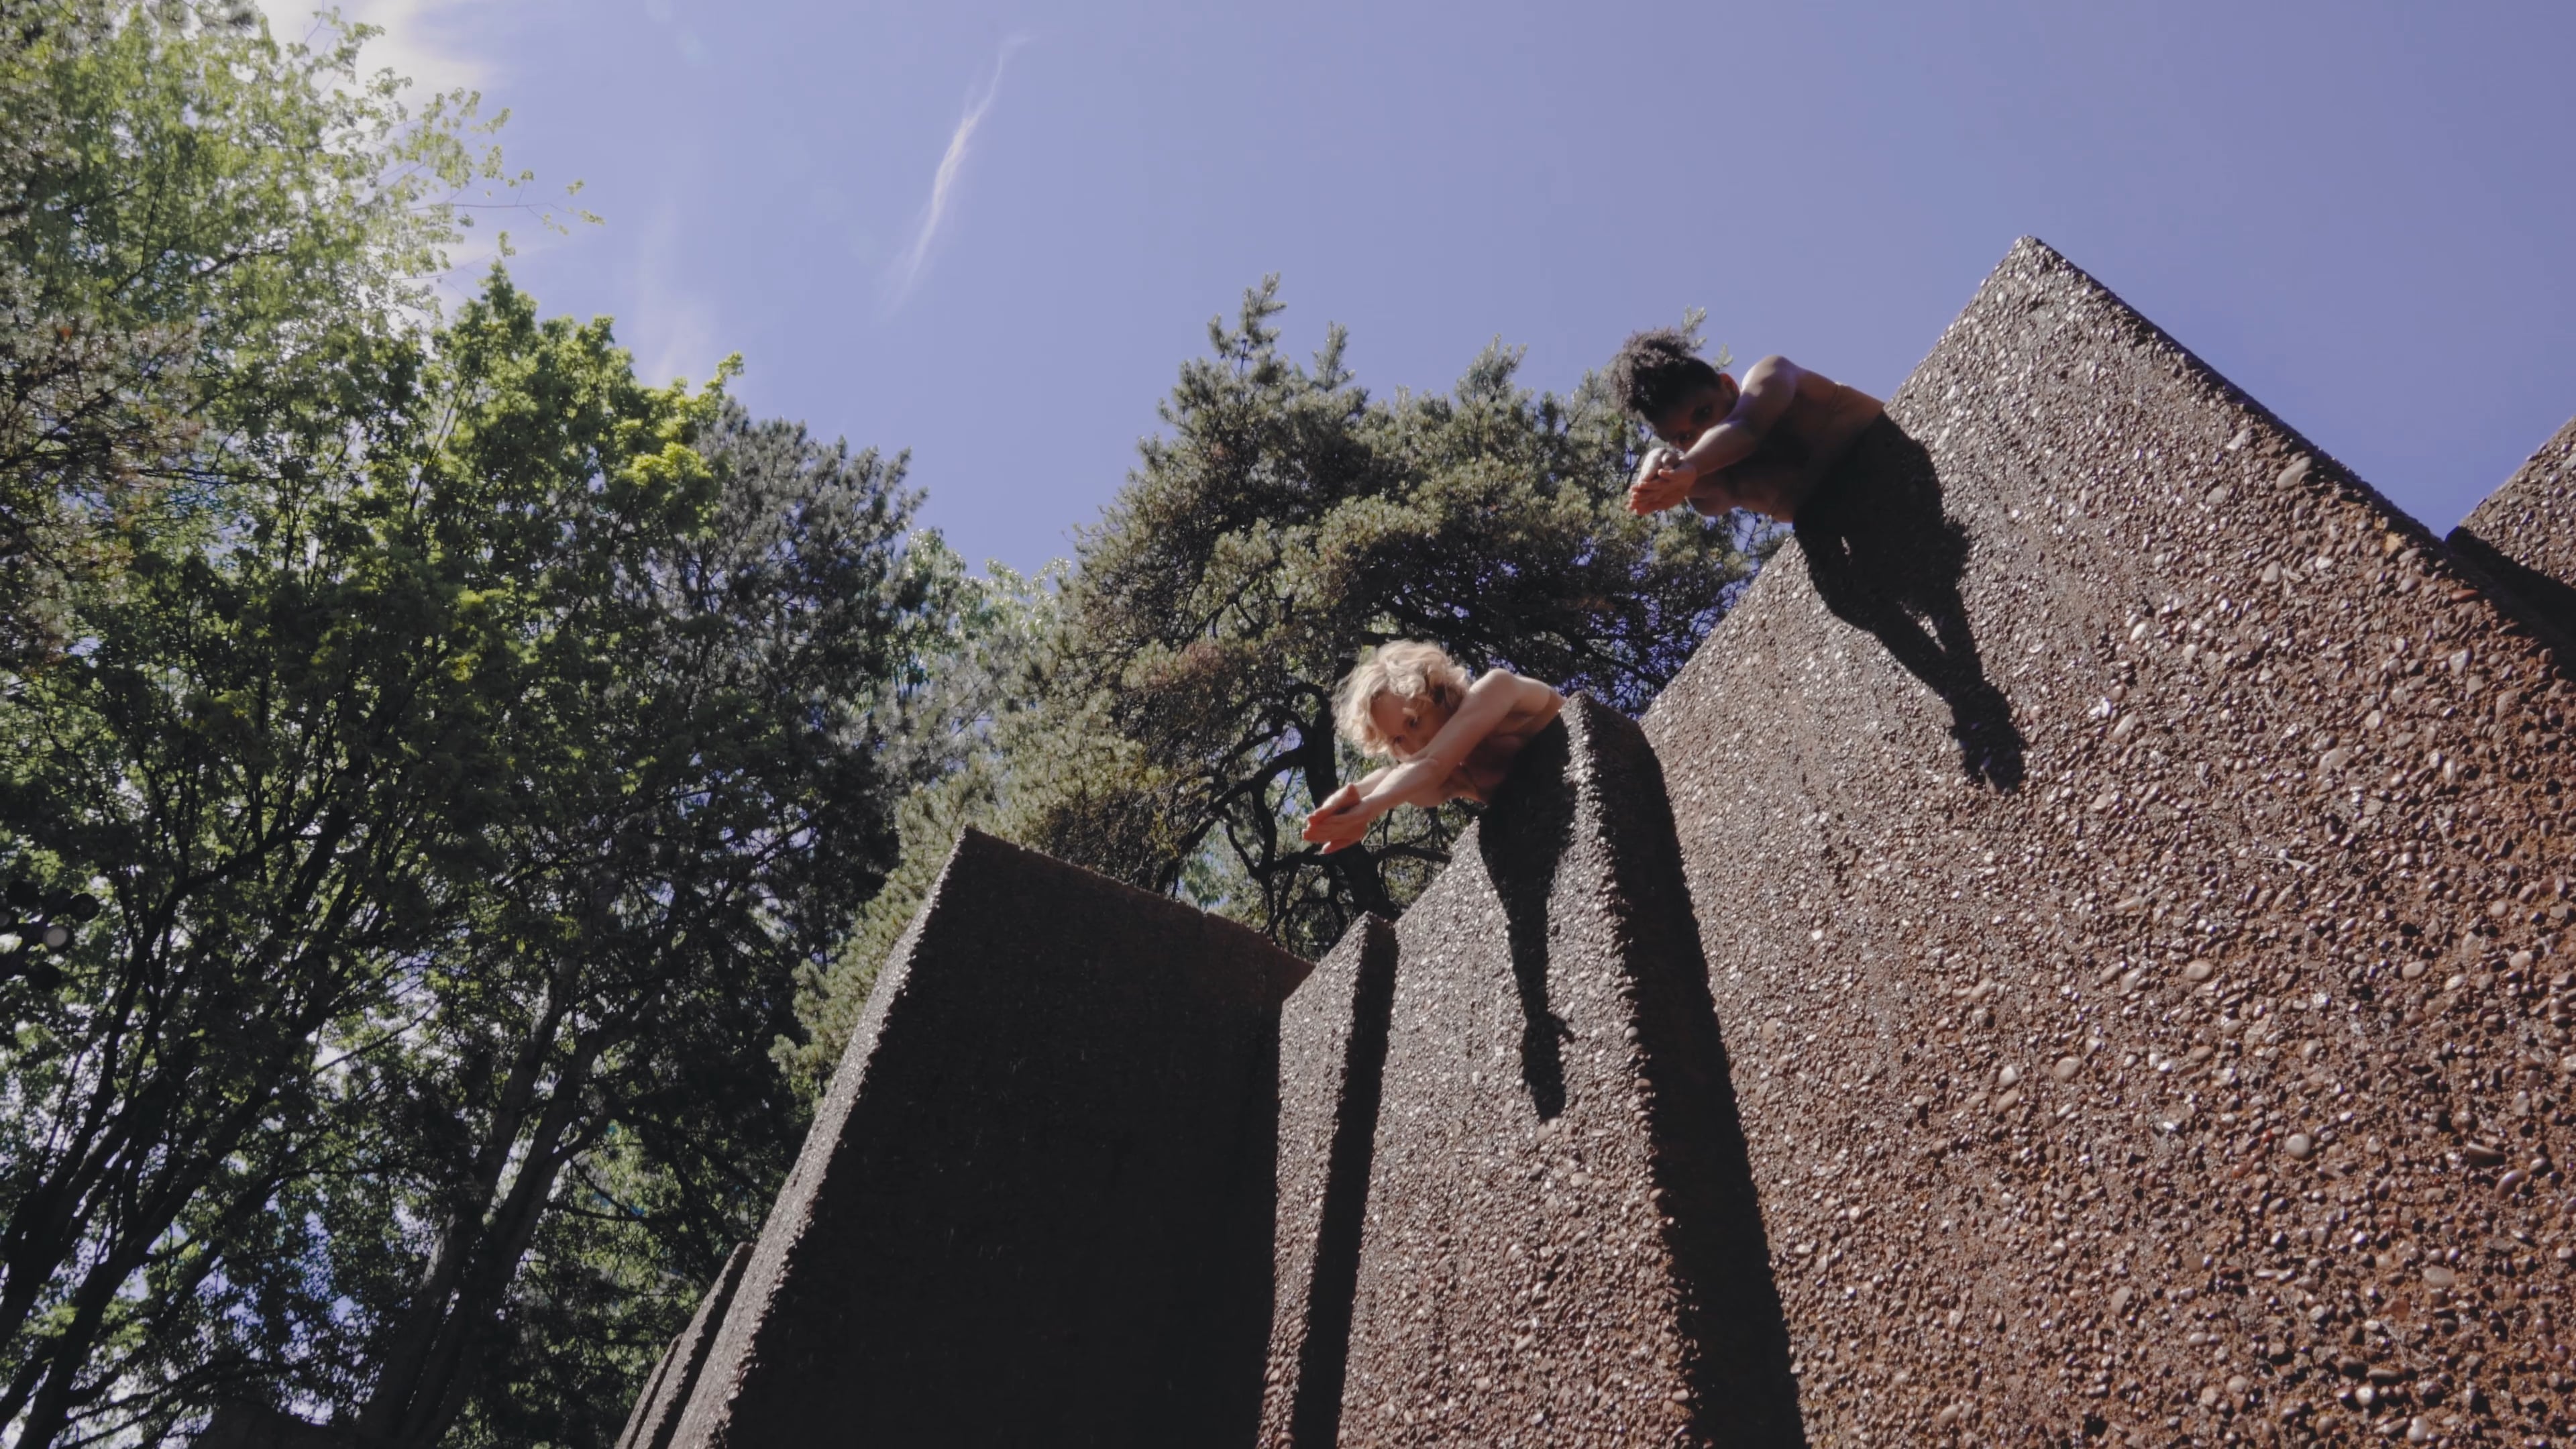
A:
[1561,1242]
[1023,1200]
[2132,862]
[632,1434]
[656,1416]
[1332,1049]
[2523,536]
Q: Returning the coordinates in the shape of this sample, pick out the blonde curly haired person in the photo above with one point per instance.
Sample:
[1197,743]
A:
[1449,738]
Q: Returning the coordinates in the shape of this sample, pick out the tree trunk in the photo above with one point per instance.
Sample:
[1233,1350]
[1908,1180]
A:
[418,1395]
[408,1350]
[118,1161]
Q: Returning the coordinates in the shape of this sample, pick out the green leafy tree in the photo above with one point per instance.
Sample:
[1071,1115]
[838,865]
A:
[295,753]
[468,814]
[1172,722]
[202,233]
[1287,521]
[710,815]
[471,741]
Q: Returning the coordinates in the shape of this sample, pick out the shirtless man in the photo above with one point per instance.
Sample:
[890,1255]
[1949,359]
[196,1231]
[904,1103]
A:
[1449,739]
[1762,445]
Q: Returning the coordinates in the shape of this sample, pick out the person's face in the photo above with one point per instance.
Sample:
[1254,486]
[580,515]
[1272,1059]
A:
[1697,412]
[1408,724]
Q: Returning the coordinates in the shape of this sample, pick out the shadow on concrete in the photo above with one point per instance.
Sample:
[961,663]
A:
[2547,601]
[1522,839]
[1221,1348]
[1886,558]
[1745,1390]
[1323,1361]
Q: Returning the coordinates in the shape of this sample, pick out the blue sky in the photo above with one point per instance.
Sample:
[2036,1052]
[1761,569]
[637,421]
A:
[990,232]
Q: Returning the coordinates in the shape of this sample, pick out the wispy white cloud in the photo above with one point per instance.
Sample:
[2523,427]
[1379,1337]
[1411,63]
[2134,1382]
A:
[674,330]
[906,271]
[440,46]
[423,40]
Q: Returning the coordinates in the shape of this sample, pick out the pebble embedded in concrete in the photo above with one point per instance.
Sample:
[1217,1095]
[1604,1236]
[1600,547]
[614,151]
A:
[2231,917]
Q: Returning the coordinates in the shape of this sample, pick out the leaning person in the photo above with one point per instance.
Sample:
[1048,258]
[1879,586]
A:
[1410,703]
[1763,444]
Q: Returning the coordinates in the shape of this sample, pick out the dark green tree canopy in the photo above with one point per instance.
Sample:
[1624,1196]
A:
[1166,716]
[1286,522]
[500,778]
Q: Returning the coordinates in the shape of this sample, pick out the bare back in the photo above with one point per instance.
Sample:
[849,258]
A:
[1482,773]
[1800,445]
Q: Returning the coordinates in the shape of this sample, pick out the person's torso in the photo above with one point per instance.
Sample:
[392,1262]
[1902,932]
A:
[1802,447]
[1482,773]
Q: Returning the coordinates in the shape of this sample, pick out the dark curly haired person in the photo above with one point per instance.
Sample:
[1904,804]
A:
[1866,500]
[1764,444]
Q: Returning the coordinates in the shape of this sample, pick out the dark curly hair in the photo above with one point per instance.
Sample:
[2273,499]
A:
[1655,369]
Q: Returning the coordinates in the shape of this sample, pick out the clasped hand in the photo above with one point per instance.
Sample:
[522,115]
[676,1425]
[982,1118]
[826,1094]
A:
[1340,821]
[1664,479]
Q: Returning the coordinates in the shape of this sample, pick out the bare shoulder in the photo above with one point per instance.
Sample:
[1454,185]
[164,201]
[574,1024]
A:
[1775,371]
[1804,393]
[1534,702]
[1519,695]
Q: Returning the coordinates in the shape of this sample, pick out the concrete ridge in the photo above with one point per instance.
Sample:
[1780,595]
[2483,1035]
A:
[2523,536]
[1332,1060]
[2096,798]
[1021,1214]
[657,1412]
[2127,1002]
[1551,1142]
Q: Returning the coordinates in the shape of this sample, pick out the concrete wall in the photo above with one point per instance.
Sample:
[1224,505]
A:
[1332,1064]
[2524,535]
[1033,1204]
[1560,1241]
[2083,960]
[2131,860]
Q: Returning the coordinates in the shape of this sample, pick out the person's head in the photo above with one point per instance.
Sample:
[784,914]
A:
[1398,698]
[1660,379]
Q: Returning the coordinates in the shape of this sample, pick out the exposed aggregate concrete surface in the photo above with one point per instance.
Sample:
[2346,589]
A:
[1019,1216]
[2178,1053]
[1561,1245]
[2524,534]
[1332,1051]
[656,1416]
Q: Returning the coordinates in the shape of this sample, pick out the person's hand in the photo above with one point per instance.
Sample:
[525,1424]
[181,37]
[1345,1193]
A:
[1340,821]
[1664,480]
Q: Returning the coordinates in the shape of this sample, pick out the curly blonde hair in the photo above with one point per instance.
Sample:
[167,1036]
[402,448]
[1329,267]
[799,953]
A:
[1406,668]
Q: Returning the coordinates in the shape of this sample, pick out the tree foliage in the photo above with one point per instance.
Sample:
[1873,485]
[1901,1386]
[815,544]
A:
[1172,722]
[711,816]
[202,234]
[471,743]
[466,813]
[963,713]
[1288,521]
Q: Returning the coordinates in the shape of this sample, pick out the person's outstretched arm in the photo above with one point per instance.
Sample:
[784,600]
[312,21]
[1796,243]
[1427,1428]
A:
[1425,779]
[1691,474]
